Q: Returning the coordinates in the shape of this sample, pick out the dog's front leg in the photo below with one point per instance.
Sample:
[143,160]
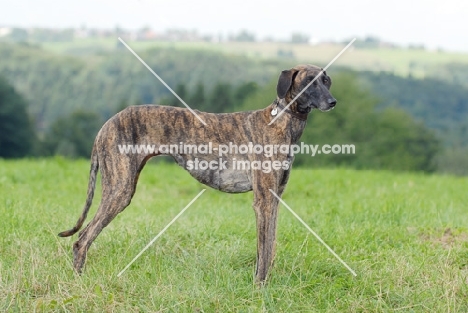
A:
[266,211]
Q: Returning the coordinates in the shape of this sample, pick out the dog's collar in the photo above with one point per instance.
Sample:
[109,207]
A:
[278,104]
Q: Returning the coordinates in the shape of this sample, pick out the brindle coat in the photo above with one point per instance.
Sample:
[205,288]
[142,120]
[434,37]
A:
[159,125]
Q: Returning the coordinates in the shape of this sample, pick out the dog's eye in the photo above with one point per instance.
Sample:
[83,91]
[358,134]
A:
[326,80]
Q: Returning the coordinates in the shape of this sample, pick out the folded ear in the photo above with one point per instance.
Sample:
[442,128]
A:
[285,82]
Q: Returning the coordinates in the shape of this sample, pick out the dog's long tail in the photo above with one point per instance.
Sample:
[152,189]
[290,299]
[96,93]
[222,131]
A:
[89,200]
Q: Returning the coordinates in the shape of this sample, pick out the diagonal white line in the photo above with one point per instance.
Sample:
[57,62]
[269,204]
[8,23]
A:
[313,233]
[316,77]
[161,80]
[160,233]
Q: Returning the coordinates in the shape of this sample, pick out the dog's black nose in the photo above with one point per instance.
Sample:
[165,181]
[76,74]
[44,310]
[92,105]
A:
[332,102]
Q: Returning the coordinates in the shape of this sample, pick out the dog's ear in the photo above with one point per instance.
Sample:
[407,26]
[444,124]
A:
[285,82]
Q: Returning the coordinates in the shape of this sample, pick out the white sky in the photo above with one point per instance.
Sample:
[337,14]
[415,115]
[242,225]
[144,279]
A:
[433,23]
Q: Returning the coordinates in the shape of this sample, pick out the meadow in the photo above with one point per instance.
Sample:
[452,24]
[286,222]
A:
[405,234]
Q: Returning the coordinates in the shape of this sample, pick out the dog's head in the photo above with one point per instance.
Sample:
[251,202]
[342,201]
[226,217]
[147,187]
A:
[316,96]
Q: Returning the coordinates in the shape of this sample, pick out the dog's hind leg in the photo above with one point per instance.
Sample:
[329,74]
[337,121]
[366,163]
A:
[266,211]
[118,188]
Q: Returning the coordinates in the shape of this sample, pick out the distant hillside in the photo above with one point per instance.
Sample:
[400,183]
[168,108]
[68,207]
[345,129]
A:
[55,85]
[401,61]
[441,105]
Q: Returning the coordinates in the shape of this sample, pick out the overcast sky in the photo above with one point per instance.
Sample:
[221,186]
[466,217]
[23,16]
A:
[432,23]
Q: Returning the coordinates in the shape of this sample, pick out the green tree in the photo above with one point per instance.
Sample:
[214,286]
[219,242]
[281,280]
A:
[243,91]
[221,98]
[197,98]
[453,160]
[299,38]
[19,34]
[17,135]
[181,91]
[73,135]
[243,36]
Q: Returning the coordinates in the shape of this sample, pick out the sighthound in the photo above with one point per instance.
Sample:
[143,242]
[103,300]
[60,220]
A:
[163,125]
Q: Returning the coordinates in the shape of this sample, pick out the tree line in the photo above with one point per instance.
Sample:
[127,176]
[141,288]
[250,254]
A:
[223,97]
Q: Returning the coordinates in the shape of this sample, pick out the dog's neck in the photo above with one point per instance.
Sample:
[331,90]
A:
[281,105]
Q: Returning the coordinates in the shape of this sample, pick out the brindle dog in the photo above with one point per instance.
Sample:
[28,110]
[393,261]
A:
[162,125]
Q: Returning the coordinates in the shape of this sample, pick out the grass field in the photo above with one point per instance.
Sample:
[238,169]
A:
[406,236]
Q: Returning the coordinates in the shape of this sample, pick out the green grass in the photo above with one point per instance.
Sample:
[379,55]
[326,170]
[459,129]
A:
[406,235]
